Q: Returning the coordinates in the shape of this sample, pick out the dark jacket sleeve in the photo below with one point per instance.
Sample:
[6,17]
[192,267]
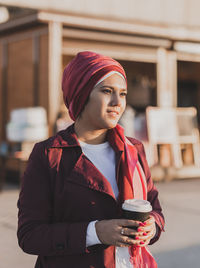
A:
[37,234]
[152,193]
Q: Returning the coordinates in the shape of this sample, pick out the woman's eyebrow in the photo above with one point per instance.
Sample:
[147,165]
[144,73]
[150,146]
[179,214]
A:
[124,89]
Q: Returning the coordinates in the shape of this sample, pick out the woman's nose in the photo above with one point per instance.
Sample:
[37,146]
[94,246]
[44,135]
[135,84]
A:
[116,101]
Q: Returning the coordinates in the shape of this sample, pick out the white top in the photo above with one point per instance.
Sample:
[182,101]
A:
[103,157]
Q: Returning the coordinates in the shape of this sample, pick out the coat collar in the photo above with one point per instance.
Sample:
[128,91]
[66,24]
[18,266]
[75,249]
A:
[64,138]
[68,138]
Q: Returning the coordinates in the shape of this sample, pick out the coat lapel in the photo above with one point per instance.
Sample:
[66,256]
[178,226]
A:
[87,175]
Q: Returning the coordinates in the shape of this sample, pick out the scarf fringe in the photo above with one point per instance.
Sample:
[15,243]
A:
[141,257]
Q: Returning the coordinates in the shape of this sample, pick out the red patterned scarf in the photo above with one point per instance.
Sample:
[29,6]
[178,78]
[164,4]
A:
[133,186]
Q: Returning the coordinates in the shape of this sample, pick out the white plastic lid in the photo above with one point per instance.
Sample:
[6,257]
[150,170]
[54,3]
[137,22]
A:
[137,205]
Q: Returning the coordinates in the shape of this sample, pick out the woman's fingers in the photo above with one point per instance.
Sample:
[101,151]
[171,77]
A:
[144,243]
[129,231]
[127,241]
[150,220]
[149,225]
[147,228]
[146,239]
[128,223]
[144,233]
[147,236]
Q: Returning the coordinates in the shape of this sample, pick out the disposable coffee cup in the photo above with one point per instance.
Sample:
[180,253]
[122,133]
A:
[136,209]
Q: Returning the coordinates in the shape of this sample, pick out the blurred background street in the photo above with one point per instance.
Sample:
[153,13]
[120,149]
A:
[178,247]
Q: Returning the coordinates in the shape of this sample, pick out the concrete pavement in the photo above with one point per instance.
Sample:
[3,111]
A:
[178,247]
[11,256]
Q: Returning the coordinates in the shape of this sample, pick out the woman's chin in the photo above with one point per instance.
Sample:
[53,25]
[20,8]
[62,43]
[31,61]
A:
[112,124]
[106,124]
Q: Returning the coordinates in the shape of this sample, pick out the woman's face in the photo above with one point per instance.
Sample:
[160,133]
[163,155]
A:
[106,104]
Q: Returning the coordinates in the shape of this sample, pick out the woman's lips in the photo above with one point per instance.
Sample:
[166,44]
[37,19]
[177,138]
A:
[113,113]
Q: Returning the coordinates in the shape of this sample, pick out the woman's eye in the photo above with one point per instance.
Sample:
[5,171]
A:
[123,94]
[107,91]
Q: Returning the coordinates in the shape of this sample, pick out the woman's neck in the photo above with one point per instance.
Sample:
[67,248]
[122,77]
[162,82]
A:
[91,136]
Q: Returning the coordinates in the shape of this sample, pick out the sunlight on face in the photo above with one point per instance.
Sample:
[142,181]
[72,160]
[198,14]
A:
[106,103]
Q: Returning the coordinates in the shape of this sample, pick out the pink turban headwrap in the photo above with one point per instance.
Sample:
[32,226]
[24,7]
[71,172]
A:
[81,75]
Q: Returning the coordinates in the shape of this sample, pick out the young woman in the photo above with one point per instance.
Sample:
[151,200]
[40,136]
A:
[75,182]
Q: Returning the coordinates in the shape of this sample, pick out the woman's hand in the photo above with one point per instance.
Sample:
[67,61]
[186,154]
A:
[117,232]
[120,232]
[146,231]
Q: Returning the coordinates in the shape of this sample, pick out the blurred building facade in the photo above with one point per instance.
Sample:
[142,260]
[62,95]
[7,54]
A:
[157,42]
